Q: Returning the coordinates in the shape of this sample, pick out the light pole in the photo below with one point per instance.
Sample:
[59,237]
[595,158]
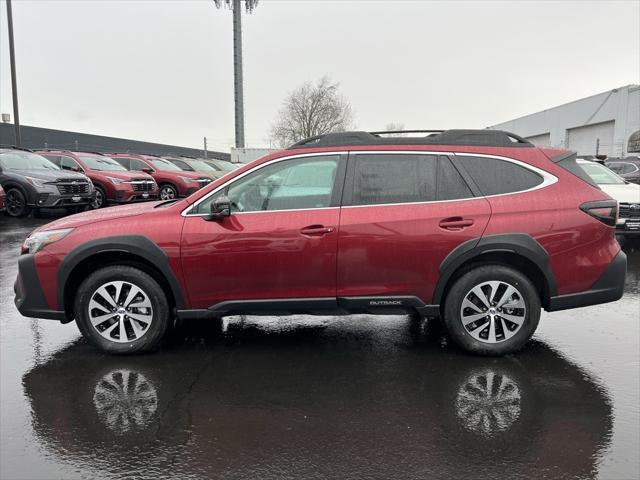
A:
[235,6]
[14,87]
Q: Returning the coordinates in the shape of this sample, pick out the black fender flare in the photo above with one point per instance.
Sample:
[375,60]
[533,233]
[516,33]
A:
[519,243]
[138,245]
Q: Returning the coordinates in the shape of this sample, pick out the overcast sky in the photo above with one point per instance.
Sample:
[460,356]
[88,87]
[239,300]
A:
[162,71]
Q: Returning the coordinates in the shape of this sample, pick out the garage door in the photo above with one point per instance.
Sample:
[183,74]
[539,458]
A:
[584,139]
[543,140]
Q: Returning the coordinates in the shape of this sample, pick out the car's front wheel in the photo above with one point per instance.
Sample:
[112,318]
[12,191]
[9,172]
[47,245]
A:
[167,192]
[17,203]
[492,310]
[122,309]
[100,199]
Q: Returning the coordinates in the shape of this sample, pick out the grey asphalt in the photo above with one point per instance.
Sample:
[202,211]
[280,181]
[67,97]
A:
[320,397]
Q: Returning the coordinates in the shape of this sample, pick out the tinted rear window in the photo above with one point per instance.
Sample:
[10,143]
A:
[494,176]
[451,185]
[393,178]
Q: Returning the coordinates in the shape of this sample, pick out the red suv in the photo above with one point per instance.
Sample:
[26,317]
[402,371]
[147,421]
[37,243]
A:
[173,182]
[113,183]
[478,227]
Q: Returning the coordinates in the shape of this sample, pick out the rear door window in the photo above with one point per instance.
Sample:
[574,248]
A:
[392,178]
[495,176]
[137,165]
[451,185]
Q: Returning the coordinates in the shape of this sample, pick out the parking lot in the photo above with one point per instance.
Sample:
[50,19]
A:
[321,397]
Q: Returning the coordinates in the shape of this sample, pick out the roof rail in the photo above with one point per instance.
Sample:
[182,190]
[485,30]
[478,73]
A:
[13,147]
[485,137]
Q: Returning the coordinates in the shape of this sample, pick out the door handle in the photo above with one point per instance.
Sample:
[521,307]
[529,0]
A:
[455,223]
[316,230]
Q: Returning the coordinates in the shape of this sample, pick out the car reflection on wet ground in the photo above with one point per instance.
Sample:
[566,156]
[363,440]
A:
[321,397]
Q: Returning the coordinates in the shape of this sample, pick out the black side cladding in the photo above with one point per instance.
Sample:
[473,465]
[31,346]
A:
[569,163]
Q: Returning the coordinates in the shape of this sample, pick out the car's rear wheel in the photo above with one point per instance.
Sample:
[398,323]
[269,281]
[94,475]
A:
[122,309]
[100,199]
[492,310]
[17,203]
[167,192]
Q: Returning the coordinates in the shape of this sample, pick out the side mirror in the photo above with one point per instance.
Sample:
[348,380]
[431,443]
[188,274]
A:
[148,170]
[220,208]
[75,169]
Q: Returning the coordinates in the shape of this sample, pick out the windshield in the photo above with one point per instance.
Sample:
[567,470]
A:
[17,160]
[200,165]
[163,165]
[601,174]
[226,166]
[98,162]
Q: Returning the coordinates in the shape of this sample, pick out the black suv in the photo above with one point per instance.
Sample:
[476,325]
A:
[31,181]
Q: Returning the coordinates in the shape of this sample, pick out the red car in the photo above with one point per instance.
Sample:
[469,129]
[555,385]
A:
[173,182]
[113,183]
[479,227]
[3,205]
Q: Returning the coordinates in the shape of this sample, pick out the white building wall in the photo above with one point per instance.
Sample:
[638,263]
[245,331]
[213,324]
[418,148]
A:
[246,155]
[621,106]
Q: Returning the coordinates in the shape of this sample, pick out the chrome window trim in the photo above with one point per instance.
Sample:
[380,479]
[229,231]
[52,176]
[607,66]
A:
[185,213]
[548,178]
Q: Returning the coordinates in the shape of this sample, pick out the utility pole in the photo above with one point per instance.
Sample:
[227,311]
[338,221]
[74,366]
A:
[237,73]
[14,86]
[205,147]
[236,7]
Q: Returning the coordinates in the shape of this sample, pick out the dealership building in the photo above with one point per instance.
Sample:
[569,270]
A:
[604,124]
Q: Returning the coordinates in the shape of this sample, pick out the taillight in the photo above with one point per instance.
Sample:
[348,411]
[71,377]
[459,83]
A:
[604,210]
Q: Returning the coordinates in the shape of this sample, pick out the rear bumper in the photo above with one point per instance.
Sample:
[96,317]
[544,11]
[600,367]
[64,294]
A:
[608,288]
[30,300]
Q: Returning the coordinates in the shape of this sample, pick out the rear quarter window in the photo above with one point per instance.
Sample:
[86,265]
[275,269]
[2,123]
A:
[494,176]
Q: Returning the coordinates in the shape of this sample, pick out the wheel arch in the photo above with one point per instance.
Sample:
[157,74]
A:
[131,250]
[515,250]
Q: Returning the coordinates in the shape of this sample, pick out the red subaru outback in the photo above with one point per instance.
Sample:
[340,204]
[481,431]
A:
[173,182]
[478,227]
[113,183]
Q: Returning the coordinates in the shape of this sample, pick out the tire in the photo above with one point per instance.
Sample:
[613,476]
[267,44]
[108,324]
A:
[16,202]
[167,192]
[493,329]
[153,309]
[100,200]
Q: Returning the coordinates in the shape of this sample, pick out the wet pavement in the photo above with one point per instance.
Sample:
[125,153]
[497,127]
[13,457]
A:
[320,397]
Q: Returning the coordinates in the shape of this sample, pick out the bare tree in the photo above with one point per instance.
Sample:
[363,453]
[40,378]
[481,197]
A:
[310,110]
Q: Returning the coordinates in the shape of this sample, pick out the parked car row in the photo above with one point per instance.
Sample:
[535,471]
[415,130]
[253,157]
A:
[54,178]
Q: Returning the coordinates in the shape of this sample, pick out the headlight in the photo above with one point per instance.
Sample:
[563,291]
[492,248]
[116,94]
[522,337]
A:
[115,181]
[187,180]
[36,241]
[36,182]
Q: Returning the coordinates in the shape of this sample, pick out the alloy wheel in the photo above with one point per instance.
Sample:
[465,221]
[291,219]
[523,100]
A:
[120,311]
[98,201]
[167,193]
[15,203]
[493,312]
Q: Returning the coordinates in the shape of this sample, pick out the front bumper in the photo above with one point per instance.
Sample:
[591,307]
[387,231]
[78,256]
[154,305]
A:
[628,226]
[128,196]
[30,300]
[608,288]
[49,200]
